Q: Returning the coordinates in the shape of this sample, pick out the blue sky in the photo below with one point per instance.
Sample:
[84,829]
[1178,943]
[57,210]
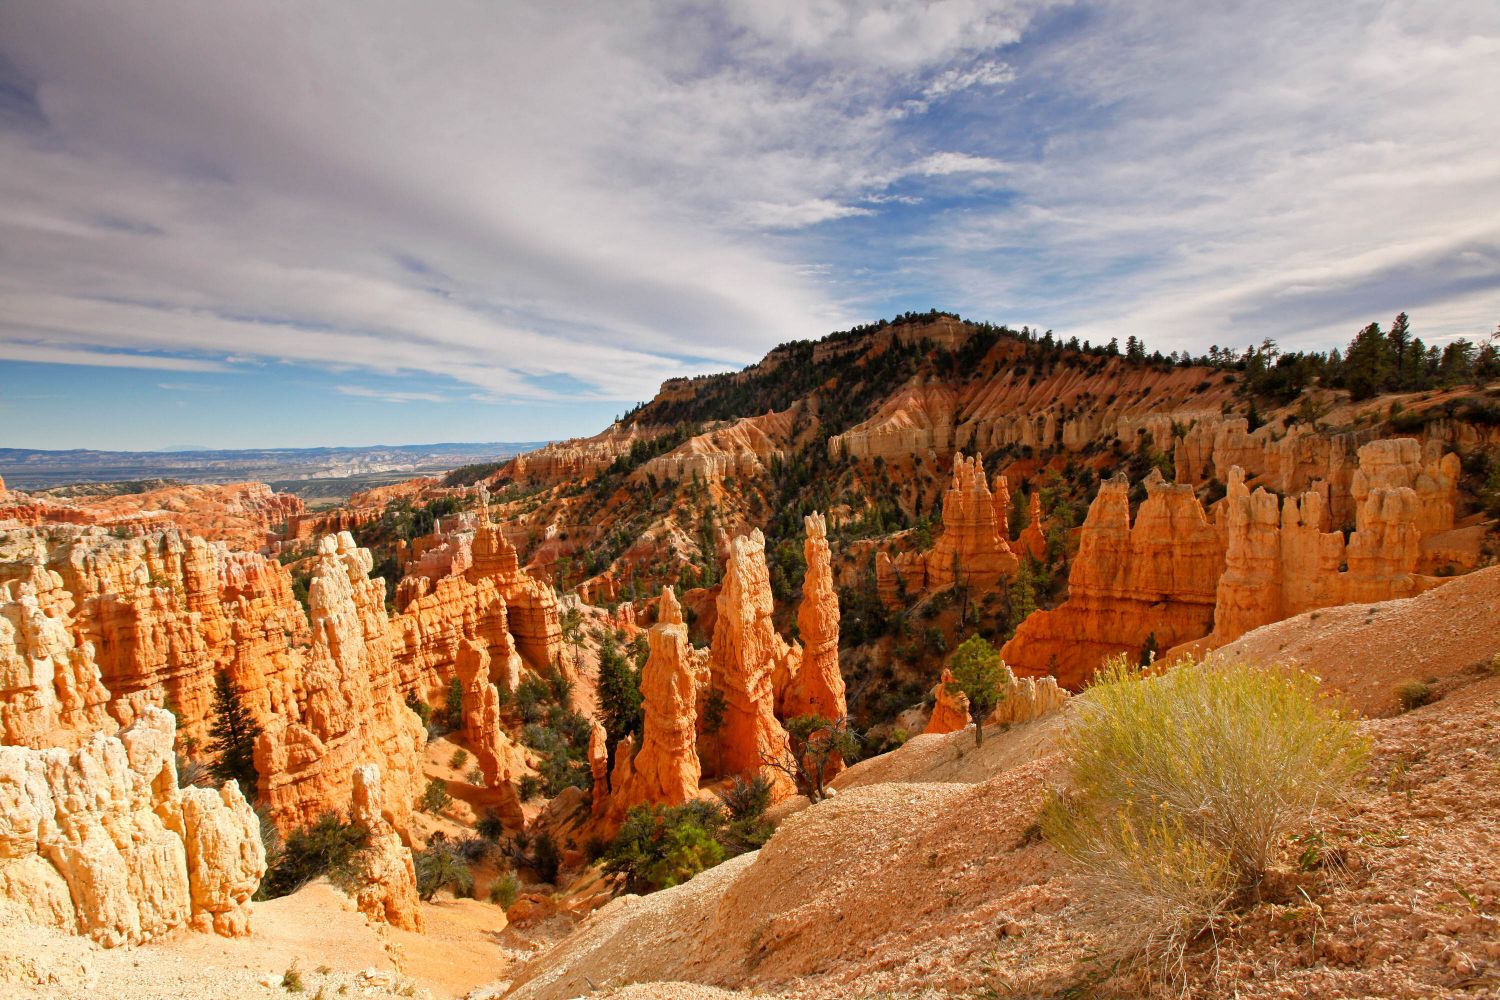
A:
[281,224]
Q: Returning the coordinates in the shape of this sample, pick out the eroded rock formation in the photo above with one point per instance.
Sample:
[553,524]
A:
[50,691]
[1132,588]
[950,709]
[500,760]
[665,769]
[388,887]
[349,710]
[973,549]
[99,840]
[818,686]
[745,651]
[1281,560]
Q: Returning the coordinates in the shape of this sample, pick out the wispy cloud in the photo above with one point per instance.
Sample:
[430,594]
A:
[390,396]
[47,354]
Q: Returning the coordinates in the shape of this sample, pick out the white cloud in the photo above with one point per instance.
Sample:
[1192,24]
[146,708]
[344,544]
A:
[943,164]
[390,396]
[988,73]
[808,213]
[50,355]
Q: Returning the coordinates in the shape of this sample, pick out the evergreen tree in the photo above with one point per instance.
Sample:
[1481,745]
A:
[1367,365]
[232,737]
[620,701]
[977,672]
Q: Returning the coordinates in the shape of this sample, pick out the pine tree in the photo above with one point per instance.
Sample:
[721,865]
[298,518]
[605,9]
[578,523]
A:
[232,737]
[977,673]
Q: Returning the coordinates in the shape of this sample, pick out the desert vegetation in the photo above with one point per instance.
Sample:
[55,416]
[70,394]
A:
[1183,787]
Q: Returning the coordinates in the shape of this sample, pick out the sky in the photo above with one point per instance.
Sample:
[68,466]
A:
[281,224]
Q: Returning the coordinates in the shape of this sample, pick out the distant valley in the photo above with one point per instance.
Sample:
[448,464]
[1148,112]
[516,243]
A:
[312,473]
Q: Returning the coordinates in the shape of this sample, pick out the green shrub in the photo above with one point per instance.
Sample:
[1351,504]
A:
[504,890]
[545,859]
[490,826]
[1413,694]
[453,710]
[459,758]
[435,797]
[440,867]
[529,787]
[661,846]
[328,847]
[1183,786]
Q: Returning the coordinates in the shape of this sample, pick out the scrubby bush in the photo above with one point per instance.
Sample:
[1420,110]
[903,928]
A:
[439,867]
[1183,786]
[661,846]
[504,890]
[459,758]
[329,847]
[544,858]
[435,797]
[1413,694]
[746,801]
[490,826]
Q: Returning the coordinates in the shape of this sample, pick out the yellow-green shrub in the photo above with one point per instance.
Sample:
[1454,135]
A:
[1184,783]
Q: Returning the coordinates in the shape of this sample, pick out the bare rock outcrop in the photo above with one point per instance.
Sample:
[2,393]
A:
[973,549]
[99,840]
[388,887]
[950,709]
[531,604]
[1132,588]
[350,710]
[50,691]
[745,651]
[665,769]
[818,686]
[498,756]
[1033,537]
[1281,560]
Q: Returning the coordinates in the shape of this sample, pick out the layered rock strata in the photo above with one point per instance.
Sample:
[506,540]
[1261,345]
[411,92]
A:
[349,710]
[746,651]
[973,549]
[665,769]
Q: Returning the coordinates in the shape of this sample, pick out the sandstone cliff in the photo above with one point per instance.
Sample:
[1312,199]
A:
[973,550]
[388,888]
[665,769]
[746,650]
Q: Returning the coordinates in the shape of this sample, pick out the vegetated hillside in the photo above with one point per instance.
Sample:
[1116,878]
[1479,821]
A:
[926,872]
[864,426]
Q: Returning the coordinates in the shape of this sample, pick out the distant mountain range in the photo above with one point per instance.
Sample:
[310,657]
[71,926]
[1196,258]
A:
[31,469]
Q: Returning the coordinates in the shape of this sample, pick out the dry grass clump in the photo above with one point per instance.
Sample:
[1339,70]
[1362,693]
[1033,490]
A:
[1184,785]
[1413,694]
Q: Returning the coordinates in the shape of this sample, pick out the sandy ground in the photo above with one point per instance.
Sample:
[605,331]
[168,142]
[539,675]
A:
[1364,651]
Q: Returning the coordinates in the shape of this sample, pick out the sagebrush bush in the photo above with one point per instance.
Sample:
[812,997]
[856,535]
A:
[1184,784]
